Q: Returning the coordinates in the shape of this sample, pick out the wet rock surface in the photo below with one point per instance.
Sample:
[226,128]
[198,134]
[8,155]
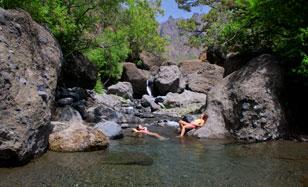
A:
[111,129]
[30,63]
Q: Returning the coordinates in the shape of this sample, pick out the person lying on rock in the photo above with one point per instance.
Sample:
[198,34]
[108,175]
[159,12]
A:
[144,130]
[192,125]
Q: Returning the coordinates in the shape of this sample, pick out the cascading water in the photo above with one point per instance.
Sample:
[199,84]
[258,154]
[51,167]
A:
[149,83]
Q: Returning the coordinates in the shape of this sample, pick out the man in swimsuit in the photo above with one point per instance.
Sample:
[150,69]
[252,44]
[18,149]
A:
[193,125]
[144,130]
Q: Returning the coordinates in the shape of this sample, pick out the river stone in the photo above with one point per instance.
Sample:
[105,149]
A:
[122,89]
[167,80]
[29,68]
[77,137]
[149,101]
[111,129]
[247,103]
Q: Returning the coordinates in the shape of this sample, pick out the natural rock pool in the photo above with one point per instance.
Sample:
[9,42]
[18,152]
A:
[134,161]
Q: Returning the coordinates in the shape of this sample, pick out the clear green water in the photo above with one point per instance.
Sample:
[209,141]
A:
[174,162]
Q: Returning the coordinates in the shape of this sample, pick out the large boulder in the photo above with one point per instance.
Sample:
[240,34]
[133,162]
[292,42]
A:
[122,89]
[78,71]
[246,103]
[167,80]
[187,102]
[137,77]
[215,55]
[207,76]
[235,61]
[77,137]
[111,129]
[30,63]
[150,60]
[190,66]
[184,99]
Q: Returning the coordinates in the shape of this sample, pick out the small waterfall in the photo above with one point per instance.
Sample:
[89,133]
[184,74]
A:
[149,83]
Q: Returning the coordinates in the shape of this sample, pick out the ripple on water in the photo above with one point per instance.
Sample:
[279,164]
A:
[176,162]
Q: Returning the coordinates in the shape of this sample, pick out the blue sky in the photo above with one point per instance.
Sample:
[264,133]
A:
[171,9]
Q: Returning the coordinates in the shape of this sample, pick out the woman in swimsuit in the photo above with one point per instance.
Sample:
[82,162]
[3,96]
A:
[144,130]
[193,125]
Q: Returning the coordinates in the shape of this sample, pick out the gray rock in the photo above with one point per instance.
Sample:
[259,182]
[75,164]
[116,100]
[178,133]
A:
[172,124]
[122,89]
[149,101]
[111,129]
[239,103]
[76,93]
[184,99]
[125,126]
[66,113]
[111,101]
[25,114]
[187,102]
[167,80]
[101,113]
[136,77]
[65,101]
[150,60]
[207,76]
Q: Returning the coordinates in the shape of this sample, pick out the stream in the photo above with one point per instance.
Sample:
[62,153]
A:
[146,161]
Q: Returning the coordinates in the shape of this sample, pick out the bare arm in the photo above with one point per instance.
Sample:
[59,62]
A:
[135,130]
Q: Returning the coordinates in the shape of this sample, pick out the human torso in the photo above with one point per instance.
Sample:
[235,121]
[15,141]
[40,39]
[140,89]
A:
[198,122]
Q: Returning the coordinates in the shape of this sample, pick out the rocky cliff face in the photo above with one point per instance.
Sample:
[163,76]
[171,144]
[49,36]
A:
[30,63]
[247,103]
[177,50]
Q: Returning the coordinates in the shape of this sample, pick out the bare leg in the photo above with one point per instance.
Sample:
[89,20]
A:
[188,126]
[154,134]
[182,124]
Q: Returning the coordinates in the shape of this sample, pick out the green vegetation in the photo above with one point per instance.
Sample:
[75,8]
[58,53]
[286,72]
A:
[99,87]
[279,27]
[108,32]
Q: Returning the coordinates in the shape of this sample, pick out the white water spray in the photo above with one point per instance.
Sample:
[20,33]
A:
[149,88]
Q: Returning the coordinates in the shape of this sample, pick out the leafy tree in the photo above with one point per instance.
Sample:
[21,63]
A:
[111,49]
[71,21]
[275,26]
[138,21]
[106,31]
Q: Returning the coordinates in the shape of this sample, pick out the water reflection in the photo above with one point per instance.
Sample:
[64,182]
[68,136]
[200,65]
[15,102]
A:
[176,162]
